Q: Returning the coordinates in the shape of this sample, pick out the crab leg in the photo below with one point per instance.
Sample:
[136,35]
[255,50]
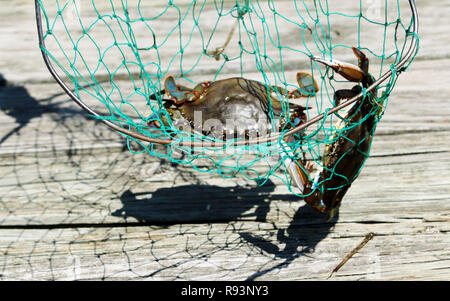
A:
[296,169]
[177,93]
[346,94]
[154,121]
[349,71]
[180,94]
[308,86]
[300,175]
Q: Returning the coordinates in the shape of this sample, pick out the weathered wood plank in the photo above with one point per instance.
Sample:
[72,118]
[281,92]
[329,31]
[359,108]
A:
[17,52]
[74,205]
[235,251]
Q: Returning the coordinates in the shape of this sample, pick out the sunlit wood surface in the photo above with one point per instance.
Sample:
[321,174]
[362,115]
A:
[76,204]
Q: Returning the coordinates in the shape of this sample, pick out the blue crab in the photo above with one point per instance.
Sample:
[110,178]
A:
[344,157]
[234,107]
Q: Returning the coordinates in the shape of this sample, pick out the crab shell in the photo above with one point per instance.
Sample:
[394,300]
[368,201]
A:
[235,107]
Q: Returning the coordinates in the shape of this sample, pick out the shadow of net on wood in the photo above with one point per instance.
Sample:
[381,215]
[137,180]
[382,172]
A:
[44,154]
[299,239]
[70,196]
[199,203]
[188,205]
[16,102]
[47,182]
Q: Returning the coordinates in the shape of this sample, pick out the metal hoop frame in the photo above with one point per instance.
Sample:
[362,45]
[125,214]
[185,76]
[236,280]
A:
[408,56]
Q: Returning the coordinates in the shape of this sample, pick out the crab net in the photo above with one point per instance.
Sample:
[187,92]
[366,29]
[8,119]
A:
[116,55]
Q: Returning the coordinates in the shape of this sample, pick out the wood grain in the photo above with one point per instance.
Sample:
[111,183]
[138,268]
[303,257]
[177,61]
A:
[76,204]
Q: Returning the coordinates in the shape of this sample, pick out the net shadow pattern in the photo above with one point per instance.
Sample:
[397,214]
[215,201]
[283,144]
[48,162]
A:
[74,209]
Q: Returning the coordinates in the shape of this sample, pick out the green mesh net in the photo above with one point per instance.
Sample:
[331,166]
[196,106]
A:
[116,55]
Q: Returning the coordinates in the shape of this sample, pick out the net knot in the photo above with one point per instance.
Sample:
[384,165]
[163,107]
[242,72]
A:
[241,10]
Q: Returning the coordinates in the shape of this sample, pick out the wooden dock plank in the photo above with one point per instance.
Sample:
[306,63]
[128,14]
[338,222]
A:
[75,204]
[87,192]
[235,251]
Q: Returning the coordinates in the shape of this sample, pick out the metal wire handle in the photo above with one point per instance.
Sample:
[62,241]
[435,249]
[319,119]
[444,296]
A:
[410,53]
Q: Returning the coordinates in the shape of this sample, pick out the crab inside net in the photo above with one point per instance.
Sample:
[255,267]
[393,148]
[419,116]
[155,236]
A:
[117,55]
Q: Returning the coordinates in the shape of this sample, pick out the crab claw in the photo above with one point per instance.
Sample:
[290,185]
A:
[308,86]
[300,176]
[307,83]
[180,94]
[296,169]
[348,71]
[173,91]
[362,59]
[154,121]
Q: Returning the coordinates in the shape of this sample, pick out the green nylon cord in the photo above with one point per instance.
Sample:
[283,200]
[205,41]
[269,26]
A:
[118,53]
